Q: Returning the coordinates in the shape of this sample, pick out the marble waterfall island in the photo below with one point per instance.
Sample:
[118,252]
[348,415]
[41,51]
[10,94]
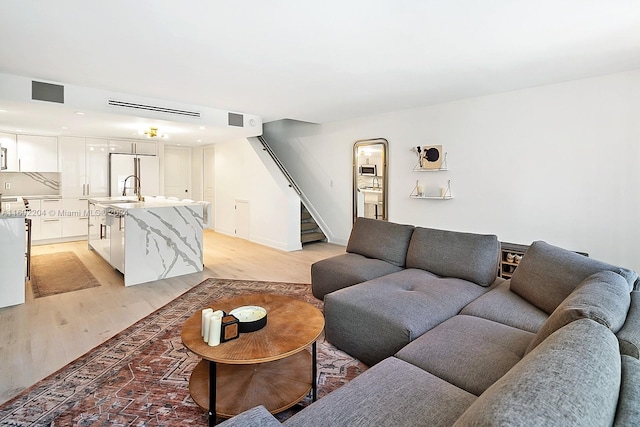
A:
[148,241]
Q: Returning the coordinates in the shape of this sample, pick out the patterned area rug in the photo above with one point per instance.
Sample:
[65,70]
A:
[59,272]
[140,377]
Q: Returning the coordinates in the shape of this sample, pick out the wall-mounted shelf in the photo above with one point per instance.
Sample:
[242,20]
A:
[416,193]
[431,197]
[444,167]
[417,168]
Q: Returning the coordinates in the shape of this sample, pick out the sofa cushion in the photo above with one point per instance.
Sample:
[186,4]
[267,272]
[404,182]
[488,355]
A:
[254,417]
[472,257]
[383,240]
[375,319]
[547,274]
[392,393]
[506,307]
[469,352]
[602,297]
[628,413]
[629,335]
[570,379]
[344,270]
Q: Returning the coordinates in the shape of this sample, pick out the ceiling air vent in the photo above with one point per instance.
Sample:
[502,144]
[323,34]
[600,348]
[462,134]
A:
[41,91]
[157,109]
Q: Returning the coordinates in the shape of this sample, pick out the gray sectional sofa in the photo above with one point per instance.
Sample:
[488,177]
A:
[450,343]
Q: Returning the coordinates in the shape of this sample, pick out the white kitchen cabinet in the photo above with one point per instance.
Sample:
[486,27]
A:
[74,217]
[146,147]
[37,153]
[118,146]
[97,162]
[133,147]
[72,165]
[84,166]
[99,231]
[50,220]
[9,141]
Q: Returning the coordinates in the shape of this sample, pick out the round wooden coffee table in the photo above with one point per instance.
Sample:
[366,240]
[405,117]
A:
[266,367]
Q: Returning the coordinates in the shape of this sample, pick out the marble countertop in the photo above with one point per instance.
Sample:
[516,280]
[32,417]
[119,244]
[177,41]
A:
[128,202]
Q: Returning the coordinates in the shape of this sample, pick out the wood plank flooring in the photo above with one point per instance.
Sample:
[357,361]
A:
[43,335]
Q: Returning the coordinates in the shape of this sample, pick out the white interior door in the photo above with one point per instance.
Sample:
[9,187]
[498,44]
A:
[209,179]
[177,172]
[242,219]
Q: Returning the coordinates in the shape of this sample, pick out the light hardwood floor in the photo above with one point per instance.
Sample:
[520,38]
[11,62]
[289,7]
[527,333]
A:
[43,335]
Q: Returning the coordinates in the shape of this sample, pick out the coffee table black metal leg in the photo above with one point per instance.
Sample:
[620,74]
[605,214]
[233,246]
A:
[314,372]
[212,393]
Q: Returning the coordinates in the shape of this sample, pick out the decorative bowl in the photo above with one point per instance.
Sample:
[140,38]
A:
[251,317]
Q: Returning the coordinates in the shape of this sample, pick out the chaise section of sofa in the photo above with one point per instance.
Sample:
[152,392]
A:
[375,248]
[374,319]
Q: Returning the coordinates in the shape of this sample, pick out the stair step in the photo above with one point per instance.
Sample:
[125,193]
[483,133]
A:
[311,225]
[305,215]
[312,237]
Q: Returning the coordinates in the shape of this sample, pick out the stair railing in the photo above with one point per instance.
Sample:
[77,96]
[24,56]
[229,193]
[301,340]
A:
[267,148]
[305,201]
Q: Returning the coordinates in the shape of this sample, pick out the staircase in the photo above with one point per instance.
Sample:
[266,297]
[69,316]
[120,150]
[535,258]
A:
[309,229]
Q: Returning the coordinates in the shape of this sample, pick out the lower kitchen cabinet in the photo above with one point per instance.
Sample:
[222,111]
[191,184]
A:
[75,217]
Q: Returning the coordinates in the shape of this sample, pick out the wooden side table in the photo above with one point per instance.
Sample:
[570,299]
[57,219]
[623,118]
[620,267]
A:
[267,367]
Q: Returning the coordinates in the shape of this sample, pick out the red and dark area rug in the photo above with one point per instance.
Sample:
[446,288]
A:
[140,377]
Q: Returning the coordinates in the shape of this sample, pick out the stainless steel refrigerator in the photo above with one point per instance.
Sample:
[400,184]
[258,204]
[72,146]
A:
[146,168]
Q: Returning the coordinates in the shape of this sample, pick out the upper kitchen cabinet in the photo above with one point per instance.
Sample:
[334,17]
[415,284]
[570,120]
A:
[146,147]
[37,153]
[84,165]
[129,147]
[8,141]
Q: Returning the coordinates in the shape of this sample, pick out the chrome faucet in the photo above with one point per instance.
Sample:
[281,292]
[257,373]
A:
[136,188]
[375,182]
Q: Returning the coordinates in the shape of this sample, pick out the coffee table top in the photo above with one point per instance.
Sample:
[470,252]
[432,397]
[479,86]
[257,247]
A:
[292,325]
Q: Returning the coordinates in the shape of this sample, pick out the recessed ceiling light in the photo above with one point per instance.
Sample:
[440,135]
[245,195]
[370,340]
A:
[64,127]
[202,128]
[18,130]
[3,111]
[80,113]
[199,140]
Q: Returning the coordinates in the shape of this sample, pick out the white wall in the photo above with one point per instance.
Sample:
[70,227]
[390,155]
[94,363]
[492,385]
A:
[556,163]
[240,174]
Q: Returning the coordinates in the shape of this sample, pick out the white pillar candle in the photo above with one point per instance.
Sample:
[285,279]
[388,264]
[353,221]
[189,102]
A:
[205,311]
[207,323]
[215,326]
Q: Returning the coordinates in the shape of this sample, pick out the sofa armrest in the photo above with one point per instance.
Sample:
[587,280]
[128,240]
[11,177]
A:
[629,335]
[254,417]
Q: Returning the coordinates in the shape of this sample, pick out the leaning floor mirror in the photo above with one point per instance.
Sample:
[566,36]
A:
[370,178]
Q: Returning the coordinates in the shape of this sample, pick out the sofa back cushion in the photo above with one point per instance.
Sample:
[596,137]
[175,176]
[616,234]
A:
[382,240]
[571,379]
[603,297]
[468,256]
[547,274]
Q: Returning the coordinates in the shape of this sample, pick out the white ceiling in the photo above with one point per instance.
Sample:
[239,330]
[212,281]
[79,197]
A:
[327,61]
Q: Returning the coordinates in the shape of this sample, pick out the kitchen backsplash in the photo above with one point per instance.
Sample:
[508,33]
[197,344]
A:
[30,183]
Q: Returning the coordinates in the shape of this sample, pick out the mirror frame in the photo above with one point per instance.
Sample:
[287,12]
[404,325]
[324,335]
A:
[385,174]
